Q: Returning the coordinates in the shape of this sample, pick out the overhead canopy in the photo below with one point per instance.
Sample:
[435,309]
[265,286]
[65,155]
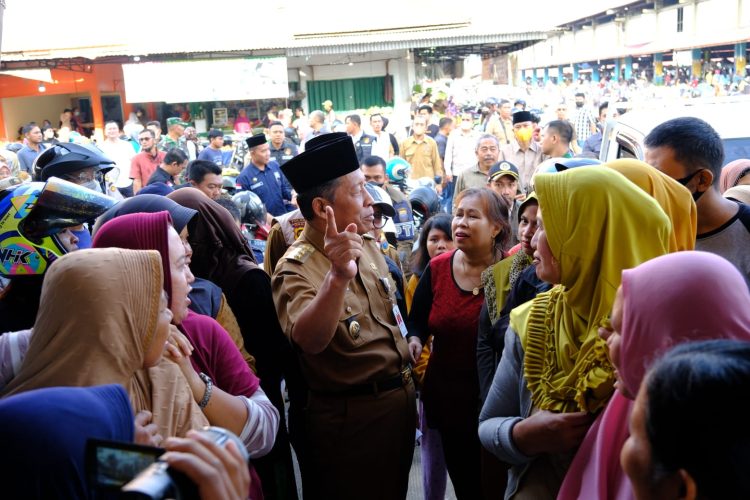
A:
[110,33]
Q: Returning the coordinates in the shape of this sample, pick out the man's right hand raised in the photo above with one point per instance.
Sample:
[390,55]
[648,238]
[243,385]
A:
[343,249]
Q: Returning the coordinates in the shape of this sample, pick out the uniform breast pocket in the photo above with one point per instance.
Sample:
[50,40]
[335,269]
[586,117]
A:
[352,330]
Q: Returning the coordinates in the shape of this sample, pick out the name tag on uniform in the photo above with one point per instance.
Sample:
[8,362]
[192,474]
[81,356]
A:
[257,185]
[399,320]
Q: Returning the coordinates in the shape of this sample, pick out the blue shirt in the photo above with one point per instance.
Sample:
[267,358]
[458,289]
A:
[26,157]
[213,155]
[270,185]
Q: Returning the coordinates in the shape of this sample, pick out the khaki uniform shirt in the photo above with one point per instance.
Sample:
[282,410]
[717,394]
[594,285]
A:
[422,156]
[525,161]
[367,346]
[471,178]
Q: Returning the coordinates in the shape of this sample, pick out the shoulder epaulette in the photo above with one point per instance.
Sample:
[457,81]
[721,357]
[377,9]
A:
[300,253]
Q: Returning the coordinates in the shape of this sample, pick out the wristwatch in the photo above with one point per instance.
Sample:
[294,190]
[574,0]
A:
[209,387]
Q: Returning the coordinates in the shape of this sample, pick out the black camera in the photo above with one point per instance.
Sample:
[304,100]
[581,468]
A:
[118,470]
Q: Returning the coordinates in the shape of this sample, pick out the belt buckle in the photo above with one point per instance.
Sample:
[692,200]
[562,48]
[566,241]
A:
[406,375]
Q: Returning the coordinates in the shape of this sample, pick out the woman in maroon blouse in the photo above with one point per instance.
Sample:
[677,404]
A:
[446,305]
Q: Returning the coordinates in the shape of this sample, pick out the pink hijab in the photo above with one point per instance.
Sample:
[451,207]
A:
[732,172]
[672,299]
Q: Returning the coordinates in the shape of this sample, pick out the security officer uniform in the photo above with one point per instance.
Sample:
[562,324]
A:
[404,222]
[283,154]
[363,146]
[361,408]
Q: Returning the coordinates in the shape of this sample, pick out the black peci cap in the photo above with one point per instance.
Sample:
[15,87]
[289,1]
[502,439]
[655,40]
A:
[256,140]
[326,157]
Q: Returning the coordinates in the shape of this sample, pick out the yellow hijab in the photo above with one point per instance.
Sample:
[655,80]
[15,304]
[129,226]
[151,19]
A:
[597,224]
[673,197]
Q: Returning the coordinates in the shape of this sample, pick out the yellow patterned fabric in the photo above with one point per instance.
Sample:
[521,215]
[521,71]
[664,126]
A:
[597,224]
[674,199]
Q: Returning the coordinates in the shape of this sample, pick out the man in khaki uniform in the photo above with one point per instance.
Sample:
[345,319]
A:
[285,229]
[336,302]
[421,151]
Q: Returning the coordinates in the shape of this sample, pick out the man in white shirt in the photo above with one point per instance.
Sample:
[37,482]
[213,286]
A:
[121,152]
[460,150]
[382,147]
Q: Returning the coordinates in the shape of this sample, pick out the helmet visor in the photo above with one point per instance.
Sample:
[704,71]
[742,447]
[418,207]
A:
[63,204]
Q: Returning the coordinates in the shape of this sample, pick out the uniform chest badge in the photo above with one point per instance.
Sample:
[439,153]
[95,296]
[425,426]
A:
[354,329]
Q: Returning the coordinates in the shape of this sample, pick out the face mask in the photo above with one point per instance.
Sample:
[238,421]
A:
[523,134]
[466,125]
[685,180]
[94,186]
[378,184]
[579,104]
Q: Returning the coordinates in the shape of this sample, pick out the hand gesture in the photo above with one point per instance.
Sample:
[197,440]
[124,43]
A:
[415,349]
[146,431]
[343,249]
[178,349]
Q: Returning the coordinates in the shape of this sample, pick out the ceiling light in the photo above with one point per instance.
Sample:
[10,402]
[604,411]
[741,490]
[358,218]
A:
[42,88]
[137,58]
[351,63]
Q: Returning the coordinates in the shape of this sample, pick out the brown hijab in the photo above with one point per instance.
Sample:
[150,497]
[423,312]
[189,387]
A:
[97,316]
[220,252]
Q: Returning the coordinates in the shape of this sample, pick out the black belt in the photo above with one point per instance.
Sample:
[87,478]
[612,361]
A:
[372,388]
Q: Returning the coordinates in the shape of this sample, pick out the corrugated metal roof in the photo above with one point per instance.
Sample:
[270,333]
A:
[405,41]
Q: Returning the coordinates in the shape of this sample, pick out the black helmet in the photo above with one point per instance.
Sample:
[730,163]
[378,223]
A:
[424,203]
[67,157]
[252,209]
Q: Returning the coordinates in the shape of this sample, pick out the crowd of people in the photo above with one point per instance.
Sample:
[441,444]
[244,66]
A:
[542,324]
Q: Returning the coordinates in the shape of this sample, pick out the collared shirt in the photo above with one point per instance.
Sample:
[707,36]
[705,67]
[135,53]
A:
[26,157]
[367,345]
[271,186]
[470,178]
[161,175]
[583,121]
[525,161]
[460,151]
[383,147]
[422,156]
[122,153]
[144,164]
[284,153]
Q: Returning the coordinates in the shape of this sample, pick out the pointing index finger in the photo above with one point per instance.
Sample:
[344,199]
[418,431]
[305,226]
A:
[331,229]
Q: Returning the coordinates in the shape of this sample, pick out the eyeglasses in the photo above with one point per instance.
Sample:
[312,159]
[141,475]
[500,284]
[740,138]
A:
[85,176]
[379,220]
